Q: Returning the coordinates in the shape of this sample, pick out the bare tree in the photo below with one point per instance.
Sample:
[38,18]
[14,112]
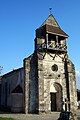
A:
[1,69]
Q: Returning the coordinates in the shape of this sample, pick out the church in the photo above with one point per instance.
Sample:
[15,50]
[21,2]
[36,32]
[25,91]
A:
[47,82]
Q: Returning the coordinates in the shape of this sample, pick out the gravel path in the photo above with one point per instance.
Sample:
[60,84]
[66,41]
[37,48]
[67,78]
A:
[31,116]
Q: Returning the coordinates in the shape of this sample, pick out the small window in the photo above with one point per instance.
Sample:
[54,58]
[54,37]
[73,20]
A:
[18,89]
[55,68]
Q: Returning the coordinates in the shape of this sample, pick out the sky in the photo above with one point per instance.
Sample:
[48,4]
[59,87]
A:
[20,18]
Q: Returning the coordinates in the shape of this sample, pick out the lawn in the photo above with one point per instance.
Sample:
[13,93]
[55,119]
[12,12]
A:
[78,118]
[6,118]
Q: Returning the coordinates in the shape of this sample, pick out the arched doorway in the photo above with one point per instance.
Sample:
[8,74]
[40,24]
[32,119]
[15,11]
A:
[56,97]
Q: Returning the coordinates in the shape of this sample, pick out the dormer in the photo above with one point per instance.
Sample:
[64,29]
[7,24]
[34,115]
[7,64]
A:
[50,36]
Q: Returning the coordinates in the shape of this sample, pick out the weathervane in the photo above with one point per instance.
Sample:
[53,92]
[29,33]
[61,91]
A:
[50,9]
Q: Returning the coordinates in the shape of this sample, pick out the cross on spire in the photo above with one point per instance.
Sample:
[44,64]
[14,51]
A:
[50,9]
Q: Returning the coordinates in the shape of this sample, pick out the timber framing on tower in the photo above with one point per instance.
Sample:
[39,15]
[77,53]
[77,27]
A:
[52,33]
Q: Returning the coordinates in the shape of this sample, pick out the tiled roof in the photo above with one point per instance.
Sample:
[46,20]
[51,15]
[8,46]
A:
[10,73]
[55,30]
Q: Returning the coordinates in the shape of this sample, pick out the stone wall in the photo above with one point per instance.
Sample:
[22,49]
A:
[31,84]
[48,79]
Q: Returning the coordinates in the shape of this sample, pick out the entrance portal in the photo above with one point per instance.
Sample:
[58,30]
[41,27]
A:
[56,97]
[53,101]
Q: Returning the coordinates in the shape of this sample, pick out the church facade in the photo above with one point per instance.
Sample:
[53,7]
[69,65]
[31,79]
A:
[46,82]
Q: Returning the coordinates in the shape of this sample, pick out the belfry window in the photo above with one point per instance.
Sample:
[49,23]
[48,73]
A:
[51,41]
[58,42]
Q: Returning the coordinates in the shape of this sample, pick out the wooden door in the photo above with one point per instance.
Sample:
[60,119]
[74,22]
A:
[53,102]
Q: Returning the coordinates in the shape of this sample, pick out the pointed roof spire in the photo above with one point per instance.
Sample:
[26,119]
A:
[51,26]
[50,21]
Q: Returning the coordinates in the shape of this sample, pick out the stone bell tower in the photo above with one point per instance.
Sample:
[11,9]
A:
[50,83]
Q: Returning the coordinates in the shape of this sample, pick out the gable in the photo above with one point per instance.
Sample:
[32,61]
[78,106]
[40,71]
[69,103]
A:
[51,21]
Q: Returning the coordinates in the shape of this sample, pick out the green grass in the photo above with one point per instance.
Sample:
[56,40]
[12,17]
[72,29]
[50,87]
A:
[78,118]
[6,118]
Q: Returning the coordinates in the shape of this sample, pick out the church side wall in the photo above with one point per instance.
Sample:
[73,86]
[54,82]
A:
[8,83]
